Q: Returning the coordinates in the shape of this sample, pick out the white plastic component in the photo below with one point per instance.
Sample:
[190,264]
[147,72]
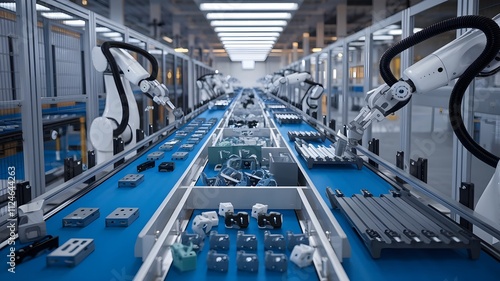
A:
[302,255]
[401,90]
[225,207]
[212,216]
[258,209]
[31,223]
[201,225]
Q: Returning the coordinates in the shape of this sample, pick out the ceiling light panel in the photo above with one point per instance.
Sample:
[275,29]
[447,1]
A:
[244,38]
[248,23]
[249,6]
[253,16]
[250,29]
[248,34]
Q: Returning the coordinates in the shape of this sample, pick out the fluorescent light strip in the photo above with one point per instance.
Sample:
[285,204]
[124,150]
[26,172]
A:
[249,46]
[112,34]
[248,23]
[12,7]
[249,29]
[246,42]
[56,16]
[102,29]
[244,38]
[249,34]
[248,6]
[239,16]
[79,23]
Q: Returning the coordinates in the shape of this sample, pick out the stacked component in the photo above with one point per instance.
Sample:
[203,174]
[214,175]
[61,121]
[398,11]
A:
[400,221]
[325,155]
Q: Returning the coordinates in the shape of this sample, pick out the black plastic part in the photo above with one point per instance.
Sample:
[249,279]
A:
[374,146]
[400,163]
[46,243]
[23,193]
[332,124]
[272,220]
[118,146]
[466,198]
[239,220]
[166,167]
[139,135]
[146,165]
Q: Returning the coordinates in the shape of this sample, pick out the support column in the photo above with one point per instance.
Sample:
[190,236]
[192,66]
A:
[191,45]
[176,31]
[320,33]
[295,55]
[342,20]
[117,11]
[379,10]
[155,21]
[284,58]
[305,44]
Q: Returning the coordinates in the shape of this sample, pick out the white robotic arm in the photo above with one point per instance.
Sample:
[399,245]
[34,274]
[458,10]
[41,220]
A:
[432,72]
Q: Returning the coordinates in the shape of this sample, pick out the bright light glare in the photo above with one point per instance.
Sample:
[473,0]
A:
[112,34]
[248,23]
[249,29]
[238,16]
[79,23]
[248,6]
[244,38]
[249,34]
[56,16]
[248,45]
[102,29]
[246,42]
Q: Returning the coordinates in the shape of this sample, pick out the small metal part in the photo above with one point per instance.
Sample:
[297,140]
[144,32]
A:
[180,155]
[187,147]
[274,241]
[219,241]
[131,180]
[198,241]
[122,217]
[217,262]
[33,250]
[239,220]
[166,167]
[146,165]
[272,220]
[157,155]
[296,239]
[81,217]
[71,253]
[246,241]
[193,140]
[276,262]
[247,262]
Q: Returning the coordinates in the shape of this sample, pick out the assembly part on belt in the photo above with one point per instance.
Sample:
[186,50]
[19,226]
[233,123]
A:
[157,155]
[180,155]
[201,225]
[302,255]
[81,217]
[212,216]
[194,239]
[274,241]
[218,241]
[239,220]
[166,167]
[131,180]
[71,253]
[217,262]
[186,147]
[33,250]
[169,145]
[275,262]
[306,135]
[247,262]
[246,241]
[181,135]
[273,220]
[258,209]
[225,207]
[122,217]
[184,257]
[323,155]
[400,221]
[293,240]
[146,165]
[31,225]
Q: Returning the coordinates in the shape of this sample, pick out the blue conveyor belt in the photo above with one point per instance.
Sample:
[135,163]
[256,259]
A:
[113,258]
[394,265]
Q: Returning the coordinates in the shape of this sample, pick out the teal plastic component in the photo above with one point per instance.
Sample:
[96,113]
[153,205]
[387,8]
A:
[184,256]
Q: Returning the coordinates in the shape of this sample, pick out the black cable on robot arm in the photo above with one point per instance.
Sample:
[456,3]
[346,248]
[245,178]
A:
[492,32]
[115,70]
